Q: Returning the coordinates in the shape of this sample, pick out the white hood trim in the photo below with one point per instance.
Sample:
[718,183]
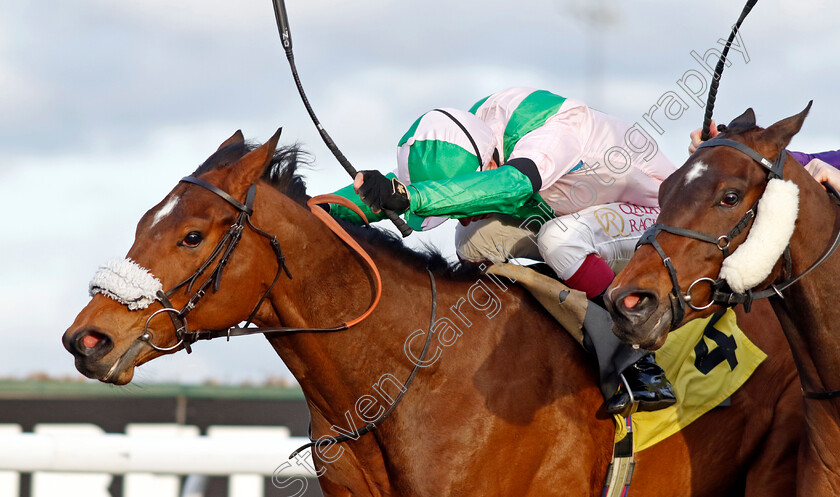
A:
[770,234]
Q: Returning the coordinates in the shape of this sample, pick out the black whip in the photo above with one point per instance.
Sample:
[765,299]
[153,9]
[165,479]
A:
[286,38]
[710,102]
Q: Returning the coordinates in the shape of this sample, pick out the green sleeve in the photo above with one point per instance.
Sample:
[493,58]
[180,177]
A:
[341,212]
[504,190]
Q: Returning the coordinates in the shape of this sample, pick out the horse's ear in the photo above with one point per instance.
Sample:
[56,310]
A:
[236,138]
[782,132]
[251,166]
[745,120]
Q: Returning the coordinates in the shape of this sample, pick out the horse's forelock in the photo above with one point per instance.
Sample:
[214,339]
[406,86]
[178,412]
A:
[229,154]
[281,172]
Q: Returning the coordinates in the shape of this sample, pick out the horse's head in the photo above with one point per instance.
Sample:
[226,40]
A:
[180,250]
[708,210]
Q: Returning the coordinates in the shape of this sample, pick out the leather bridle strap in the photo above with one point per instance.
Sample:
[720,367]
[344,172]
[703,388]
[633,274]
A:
[336,228]
[679,300]
[247,207]
[775,169]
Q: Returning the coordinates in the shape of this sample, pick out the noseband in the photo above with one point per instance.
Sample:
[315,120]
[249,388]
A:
[722,294]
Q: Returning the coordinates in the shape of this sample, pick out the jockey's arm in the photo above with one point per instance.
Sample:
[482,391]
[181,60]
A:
[504,190]
[831,157]
[341,212]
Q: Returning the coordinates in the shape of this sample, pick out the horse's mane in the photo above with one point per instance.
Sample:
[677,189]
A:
[282,173]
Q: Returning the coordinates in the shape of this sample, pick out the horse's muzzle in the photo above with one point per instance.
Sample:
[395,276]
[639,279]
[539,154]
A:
[89,346]
[633,305]
[637,315]
[88,343]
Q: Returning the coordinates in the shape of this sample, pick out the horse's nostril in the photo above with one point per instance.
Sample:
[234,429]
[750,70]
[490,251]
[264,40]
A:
[92,343]
[631,301]
[635,304]
[91,340]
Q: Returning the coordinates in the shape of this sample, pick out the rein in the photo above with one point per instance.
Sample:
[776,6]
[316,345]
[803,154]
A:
[722,294]
[226,247]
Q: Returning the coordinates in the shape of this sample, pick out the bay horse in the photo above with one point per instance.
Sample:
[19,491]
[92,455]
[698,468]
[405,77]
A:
[506,403]
[716,189]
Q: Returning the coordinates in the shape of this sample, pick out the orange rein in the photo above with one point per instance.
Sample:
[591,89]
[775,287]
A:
[336,228]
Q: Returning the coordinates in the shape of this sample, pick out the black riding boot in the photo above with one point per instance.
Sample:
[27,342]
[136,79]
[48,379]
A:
[648,386]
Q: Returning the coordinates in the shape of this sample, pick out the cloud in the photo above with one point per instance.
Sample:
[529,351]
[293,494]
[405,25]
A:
[106,104]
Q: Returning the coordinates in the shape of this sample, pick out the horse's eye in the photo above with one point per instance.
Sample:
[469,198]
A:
[192,239]
[730,199]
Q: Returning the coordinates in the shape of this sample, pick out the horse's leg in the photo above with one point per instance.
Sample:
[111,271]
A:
[773,473]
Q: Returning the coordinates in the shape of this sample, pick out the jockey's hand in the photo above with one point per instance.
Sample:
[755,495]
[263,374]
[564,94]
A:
[695,136]
[379,192]
[824,172]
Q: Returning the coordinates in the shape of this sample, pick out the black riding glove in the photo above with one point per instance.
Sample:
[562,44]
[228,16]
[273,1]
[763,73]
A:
[380,192]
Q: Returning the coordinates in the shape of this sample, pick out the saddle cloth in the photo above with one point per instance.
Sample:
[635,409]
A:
[706,361]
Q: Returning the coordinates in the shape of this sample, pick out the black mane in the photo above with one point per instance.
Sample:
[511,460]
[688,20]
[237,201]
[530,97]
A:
[282,173]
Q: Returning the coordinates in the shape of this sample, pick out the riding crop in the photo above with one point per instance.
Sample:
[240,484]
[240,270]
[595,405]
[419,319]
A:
[286,38]
[710,102]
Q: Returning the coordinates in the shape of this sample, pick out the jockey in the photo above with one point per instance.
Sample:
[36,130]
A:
[524,157]
[822,166]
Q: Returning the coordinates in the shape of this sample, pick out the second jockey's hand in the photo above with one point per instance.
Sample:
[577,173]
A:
[379,192]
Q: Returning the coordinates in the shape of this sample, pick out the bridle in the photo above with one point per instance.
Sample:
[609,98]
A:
[722,294]
[223,252]
[680,300]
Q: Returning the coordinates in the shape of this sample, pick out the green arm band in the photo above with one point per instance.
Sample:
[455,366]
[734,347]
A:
[348,215]
[504,190]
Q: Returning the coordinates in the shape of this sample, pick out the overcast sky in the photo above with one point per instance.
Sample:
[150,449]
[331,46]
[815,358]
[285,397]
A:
[105,104]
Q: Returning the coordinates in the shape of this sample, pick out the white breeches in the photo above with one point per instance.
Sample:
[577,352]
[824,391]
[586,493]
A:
[610,231]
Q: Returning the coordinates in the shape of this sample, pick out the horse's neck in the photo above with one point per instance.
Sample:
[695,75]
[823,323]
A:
[811,321]
[808,313]
[331,285]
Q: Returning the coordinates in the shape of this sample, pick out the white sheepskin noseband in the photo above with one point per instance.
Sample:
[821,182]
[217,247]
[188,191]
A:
[126,282]
[770,234]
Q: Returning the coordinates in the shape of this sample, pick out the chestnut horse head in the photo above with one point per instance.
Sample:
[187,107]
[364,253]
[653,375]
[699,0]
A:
[188,239]
[710,208]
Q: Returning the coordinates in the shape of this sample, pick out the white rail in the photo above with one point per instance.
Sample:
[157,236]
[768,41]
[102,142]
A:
[81,459]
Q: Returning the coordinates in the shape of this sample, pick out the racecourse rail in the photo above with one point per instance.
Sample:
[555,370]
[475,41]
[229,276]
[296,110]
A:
[80,459]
